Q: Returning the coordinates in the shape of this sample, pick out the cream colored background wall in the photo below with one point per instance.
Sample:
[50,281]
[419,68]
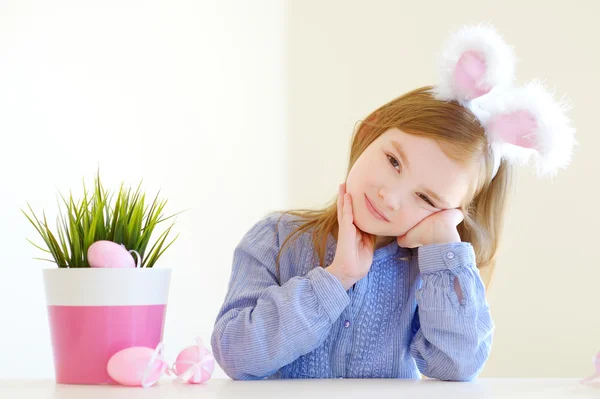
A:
[348,58]
[237,108]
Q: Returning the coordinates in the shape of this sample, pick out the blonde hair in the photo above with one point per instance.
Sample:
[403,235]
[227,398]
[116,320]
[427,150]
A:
[463,139]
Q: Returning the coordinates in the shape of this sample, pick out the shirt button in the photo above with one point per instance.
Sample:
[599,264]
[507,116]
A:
[347,324]
[450,255]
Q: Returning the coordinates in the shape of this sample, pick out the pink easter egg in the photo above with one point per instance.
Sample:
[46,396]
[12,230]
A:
[109,254]
[136,366]
[200,359]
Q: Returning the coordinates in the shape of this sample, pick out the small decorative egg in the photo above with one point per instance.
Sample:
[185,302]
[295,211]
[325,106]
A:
[137,366]
[109,254]
[194,364]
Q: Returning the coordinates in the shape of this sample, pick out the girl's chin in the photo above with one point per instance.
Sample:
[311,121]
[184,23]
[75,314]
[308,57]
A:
[373,227]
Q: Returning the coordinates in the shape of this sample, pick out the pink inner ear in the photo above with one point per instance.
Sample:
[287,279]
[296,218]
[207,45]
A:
[468,76]
[515,128]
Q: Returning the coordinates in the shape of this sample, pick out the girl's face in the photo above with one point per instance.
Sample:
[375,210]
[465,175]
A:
[400,179]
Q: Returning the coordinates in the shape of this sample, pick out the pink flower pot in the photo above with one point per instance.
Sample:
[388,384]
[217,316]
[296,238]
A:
[94,313]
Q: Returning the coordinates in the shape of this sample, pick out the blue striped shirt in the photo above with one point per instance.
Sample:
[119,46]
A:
[402,320]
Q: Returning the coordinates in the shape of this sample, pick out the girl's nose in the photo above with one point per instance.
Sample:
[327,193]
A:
[390,198]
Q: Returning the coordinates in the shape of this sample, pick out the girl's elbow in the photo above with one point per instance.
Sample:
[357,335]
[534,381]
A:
[237,367]
[464,374]
[240,376]
[463,368]
[236,370]
[456,373]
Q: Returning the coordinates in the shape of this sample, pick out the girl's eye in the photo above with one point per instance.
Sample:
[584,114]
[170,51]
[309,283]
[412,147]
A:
[394,163]
[424,198]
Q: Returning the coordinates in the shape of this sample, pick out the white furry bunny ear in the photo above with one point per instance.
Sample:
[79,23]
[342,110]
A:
[474,61]
[527,122]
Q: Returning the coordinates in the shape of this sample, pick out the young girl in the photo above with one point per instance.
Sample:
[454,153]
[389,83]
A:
[387,282]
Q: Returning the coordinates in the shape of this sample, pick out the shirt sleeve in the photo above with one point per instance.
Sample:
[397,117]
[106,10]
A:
[263,326]
[451,338]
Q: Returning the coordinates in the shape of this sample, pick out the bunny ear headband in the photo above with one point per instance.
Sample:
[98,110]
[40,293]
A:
[521,123]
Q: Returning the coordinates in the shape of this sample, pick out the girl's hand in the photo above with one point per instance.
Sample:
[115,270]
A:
[438,228]
[354,250]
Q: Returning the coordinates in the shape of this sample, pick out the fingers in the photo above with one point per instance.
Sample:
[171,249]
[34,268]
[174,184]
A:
[405,242]
[368,241]
[340,201]
[408,240]
[456,216]
[447,217]
[401,240]
[347,232]
[348,215]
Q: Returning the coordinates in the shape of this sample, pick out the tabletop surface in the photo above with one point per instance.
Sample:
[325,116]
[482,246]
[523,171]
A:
[312,389]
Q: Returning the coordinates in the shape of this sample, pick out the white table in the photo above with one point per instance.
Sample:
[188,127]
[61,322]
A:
[311,389]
